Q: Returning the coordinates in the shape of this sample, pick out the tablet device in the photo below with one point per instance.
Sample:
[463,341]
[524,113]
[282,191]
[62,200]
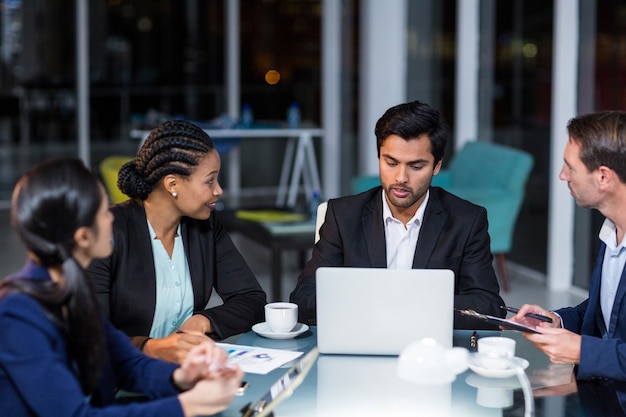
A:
[507,324]
[283,388]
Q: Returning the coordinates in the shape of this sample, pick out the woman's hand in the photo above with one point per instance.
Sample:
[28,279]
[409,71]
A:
[175,347]
[205,361]
[197,323]
[212,395]
[210,381]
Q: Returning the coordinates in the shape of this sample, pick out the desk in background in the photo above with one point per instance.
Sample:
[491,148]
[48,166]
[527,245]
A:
[300,239]
[299,162]
[349,385]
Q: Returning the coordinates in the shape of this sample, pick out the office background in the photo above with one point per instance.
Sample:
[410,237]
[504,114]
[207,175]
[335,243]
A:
[504,71]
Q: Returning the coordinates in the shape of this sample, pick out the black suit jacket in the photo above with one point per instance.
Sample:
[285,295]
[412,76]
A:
[453,236]
[125,282]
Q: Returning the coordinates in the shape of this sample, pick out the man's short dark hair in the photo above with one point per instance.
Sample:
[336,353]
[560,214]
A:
[602,140]
[411,121]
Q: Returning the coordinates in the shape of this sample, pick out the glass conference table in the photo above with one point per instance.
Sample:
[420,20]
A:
[349,385]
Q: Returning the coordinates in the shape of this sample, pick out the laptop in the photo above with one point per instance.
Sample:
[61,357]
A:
[378,311]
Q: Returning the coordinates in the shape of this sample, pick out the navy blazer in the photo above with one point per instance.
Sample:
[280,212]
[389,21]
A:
[37,378]
[453,236]
[603,351]
[125,282]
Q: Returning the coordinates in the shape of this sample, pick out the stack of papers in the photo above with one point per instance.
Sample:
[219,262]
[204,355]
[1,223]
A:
[256,360]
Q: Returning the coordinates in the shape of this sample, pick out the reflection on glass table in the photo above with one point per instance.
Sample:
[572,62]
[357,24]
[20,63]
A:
[345,385]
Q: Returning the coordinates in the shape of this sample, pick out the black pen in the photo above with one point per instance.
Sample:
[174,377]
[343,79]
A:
[532,315]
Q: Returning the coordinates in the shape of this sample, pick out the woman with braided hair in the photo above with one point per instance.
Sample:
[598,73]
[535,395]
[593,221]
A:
[59,356]
[171,251]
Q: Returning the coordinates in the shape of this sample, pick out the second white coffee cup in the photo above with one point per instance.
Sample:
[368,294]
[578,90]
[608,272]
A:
[496,351]
[499,346]
[281,317]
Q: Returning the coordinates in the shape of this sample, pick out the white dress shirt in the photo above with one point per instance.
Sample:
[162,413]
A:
[612,267]
[400,240]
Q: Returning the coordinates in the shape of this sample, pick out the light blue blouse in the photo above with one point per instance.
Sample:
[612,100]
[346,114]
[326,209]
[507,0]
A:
[174,293]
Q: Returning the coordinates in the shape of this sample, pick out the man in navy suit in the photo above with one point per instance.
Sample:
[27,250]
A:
[406,223]
[592,334]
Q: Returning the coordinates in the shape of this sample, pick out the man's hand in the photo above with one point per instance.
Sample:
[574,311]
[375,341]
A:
[556,380]
[561,345]
[520,316]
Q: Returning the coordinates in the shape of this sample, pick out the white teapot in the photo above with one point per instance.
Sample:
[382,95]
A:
[428,362]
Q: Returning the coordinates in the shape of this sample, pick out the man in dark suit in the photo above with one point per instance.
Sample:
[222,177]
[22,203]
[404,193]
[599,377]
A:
[592,335]
[406,223]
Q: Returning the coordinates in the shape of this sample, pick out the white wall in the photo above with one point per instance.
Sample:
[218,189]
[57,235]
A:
[466,101]
[564,107]
[383,66]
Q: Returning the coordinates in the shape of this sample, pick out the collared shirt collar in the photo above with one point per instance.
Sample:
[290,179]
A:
[612,269]
[417,217]
[608,234]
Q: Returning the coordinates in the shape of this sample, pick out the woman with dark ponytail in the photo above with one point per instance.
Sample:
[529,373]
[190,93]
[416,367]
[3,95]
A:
[171,251]
[59,356]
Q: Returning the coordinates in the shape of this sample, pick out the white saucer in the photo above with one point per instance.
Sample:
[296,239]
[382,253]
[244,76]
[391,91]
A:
[479,381]
[262,329]
[476,366]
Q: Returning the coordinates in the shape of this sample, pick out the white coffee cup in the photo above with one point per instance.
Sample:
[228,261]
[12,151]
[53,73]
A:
[496,352]
[281,317]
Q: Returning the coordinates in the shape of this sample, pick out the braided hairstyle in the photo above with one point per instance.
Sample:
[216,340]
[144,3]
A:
[50,202]
[173,147]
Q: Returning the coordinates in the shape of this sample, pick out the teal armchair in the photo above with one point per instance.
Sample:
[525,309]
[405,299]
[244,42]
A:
[364,183]
[493,176]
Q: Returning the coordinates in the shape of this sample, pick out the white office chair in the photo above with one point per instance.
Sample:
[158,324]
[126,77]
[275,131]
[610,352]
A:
[319,219]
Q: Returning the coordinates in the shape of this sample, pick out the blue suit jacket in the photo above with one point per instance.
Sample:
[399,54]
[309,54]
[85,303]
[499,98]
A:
[603,351]
[37,378]
[453,236]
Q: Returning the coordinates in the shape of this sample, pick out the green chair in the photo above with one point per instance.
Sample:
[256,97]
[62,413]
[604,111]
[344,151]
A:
[109,169]
[493,176]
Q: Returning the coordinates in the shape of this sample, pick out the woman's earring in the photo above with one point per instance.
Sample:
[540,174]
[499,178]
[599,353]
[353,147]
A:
[174,194]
